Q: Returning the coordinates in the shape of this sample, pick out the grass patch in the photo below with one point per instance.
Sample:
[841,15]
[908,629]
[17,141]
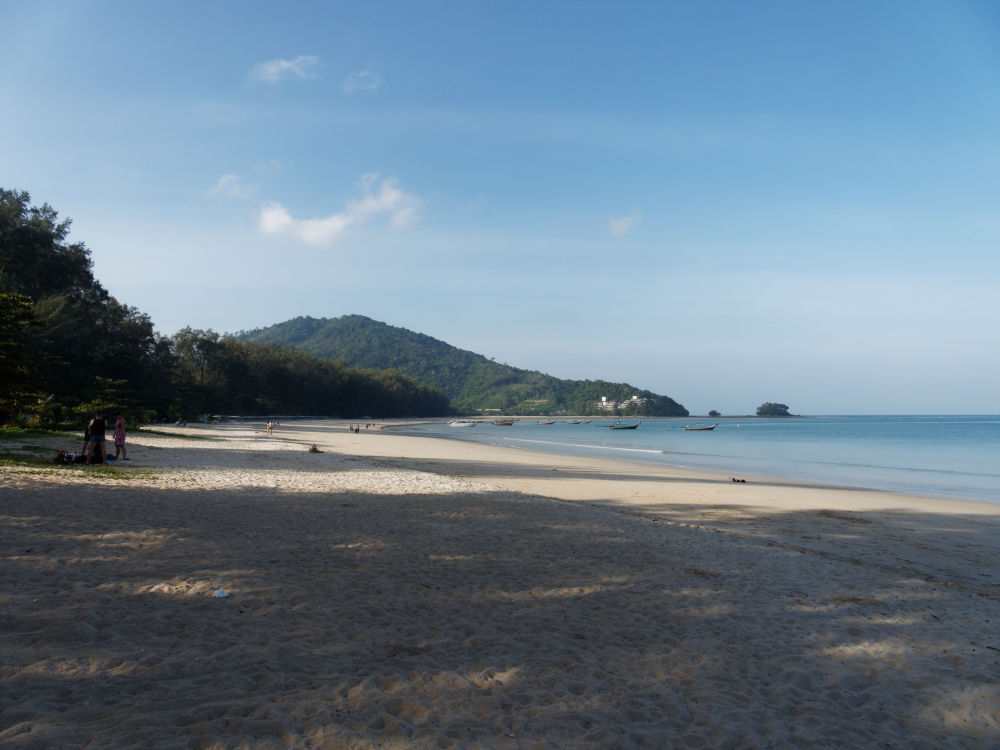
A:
[23,433]
[44,450]
[19,459]
[47,467]
[33,448]
[116,472]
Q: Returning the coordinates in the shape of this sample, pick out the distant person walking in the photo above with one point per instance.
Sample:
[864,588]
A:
[95,444]
[120,437]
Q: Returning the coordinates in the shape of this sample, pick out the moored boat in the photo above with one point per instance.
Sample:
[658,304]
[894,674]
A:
[619,425]
[701,429]
[461,423]
[503,422]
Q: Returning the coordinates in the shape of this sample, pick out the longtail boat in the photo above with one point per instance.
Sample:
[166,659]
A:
[698,429]
[622,426]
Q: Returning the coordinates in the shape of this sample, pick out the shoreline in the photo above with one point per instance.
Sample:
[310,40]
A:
[746,466]
[394,591]
[668,472]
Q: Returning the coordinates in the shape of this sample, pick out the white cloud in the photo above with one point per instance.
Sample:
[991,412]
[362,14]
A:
[231,186]
[383,198]
[273,71]
[366,80]
[620,225]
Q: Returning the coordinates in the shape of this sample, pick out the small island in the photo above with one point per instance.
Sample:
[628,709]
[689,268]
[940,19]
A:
[769,409]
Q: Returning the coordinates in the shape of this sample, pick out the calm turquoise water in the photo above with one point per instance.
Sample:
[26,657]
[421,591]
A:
[940,456]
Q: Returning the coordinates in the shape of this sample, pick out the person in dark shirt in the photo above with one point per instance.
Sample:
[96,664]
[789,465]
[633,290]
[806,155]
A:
[95,444]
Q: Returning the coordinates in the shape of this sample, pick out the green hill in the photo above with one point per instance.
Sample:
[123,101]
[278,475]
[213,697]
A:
[473,382]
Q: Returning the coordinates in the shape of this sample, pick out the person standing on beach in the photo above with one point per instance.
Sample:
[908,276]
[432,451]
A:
[97,428]
[119,437]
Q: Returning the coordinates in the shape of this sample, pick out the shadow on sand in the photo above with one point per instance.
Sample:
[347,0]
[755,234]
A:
[476,620]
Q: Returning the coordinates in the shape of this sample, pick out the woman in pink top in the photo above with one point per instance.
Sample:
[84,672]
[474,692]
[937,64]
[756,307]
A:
[120,437]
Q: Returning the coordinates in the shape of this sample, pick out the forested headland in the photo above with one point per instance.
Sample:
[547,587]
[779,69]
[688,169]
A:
[473,382]
[67,348]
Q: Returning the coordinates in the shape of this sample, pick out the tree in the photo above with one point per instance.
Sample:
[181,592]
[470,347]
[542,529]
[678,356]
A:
[216,374]
[83,333]
[107,398]
[19,378]
[770,409]
[35,259]
[714,413]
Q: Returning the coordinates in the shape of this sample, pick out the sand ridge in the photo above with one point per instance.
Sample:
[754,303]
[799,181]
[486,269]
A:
[374,601]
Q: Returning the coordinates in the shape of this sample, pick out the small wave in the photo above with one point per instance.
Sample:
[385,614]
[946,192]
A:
[584,446]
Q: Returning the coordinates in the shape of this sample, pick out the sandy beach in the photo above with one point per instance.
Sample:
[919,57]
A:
[234,590]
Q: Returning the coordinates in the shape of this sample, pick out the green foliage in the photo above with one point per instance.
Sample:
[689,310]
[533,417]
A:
[19,377]
[35,260]
[114,471]
[107,393]
[223,375]
[471,380]
[769,409]
[20,459]
[81,333]
[21,433]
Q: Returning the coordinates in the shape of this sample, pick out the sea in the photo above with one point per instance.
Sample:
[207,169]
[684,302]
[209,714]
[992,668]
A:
[952,457]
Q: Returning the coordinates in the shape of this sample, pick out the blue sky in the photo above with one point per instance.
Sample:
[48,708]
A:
[725,202]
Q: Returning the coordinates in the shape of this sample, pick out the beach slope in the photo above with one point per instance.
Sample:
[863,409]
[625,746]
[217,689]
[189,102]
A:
[237,591]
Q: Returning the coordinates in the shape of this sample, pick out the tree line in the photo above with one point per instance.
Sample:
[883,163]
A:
[67,348]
